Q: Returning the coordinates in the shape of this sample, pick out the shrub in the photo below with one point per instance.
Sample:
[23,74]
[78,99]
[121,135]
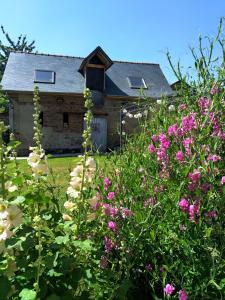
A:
[149,227]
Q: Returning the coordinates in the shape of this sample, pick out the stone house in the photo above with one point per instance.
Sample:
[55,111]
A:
[61,81]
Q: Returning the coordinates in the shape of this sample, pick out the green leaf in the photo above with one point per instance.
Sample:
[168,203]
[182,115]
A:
[62,239]
[4,287]
[83,245]
[27,294]
[19,200]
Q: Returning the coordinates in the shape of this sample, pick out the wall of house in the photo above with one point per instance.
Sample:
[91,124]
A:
[57,136]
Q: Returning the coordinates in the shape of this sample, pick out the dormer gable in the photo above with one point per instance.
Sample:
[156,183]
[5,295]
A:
[93,68]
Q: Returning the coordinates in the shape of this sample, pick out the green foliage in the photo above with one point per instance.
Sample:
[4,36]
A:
[4,102]
[123,232]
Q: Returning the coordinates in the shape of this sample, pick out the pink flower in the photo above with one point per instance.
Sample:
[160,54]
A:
[106,209]
[169,289]
[183,295]
[126,212]
[148,267]
[222,180]
[186,144]
[195,176]
[182,106]
[206,187]
[215,89]
[110,195]
[164,142]
[103,262]
[112,225]
[184,204]
[179,156]
[155,138]
[213,157]
[108,244]
[113,211]
[204,104]
[151,148]
[161,154]
[107,183]
[189,122]
[149,203]
[172,130]
[211,214]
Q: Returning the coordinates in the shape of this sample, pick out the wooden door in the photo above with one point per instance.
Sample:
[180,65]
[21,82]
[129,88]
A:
[99,134]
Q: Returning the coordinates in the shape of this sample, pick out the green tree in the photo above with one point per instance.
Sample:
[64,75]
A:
[4,103]
[20,44]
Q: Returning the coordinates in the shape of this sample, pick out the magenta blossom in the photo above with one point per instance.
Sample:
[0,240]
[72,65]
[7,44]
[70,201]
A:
[169,289]
[113,211]
[165,143]
[211,214]
[189,122]
[126,212]
[110,195]
[151,148]
[179,156]
[195,176]
[172,130]
[213,157]
[204,104]
[183,295]
[112,225]
[155,138]
[107,183]
[184,204]
[222,180]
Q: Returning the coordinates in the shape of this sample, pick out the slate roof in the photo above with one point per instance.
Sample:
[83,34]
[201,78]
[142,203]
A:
[19,75]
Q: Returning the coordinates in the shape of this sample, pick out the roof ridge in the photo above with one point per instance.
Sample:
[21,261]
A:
[80,57]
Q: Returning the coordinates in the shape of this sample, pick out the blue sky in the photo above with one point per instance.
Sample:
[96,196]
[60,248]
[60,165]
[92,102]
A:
[130,30]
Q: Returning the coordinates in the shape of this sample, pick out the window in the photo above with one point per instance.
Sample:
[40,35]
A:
[44,76]
[65,120]
[136,82]
[41,118]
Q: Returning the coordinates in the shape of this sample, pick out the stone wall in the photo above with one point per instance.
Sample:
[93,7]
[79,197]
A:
[56,136]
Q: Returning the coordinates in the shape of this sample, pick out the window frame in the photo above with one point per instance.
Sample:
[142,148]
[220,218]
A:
[44,81]
[65,124]
[136,87]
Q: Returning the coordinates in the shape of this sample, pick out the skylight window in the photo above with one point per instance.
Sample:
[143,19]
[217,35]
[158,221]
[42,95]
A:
[44,76]
[136,82]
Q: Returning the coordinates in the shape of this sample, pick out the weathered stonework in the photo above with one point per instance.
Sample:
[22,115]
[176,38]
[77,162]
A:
[56,136]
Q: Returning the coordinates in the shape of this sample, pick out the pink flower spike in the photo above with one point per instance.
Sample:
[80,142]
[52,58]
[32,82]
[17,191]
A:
[155,138]
[113,211]
[110,195]
[183,295]
[179,156]
[213,157]
[151,148]
[107,183]
[169,289]
[112,225]
[222,180]
[184,205]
